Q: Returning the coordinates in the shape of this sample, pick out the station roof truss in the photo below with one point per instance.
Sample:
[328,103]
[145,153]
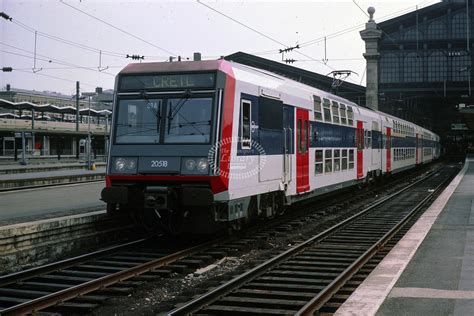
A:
[50,108]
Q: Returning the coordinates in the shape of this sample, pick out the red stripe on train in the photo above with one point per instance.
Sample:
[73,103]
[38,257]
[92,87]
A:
[215,181]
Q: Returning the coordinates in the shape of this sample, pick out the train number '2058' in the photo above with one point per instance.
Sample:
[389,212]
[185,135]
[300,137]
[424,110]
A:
[159,163]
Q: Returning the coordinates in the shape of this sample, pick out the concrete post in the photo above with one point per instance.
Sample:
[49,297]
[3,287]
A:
[371,36]
[23,149]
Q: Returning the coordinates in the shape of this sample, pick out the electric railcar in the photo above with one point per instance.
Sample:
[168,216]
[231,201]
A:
[198,145]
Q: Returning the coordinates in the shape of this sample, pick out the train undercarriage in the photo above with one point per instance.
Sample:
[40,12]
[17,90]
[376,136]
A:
[188,209]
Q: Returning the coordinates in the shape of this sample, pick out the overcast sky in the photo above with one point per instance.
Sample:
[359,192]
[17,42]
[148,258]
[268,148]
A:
[159,28]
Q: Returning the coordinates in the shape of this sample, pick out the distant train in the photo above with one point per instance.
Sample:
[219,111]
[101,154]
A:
[200,145]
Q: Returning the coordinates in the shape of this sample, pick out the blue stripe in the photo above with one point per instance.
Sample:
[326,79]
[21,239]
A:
[335,136]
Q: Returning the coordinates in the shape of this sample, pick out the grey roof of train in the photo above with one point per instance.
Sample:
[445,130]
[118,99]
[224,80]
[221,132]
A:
[350,91]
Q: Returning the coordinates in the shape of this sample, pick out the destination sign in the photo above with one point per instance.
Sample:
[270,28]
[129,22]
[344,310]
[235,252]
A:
[167,81]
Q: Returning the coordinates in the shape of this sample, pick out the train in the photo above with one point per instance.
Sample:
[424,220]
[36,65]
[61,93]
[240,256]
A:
[198,146]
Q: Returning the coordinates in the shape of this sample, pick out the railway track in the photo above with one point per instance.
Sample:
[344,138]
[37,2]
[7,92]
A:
[81,284]
[64,286]
[304,278]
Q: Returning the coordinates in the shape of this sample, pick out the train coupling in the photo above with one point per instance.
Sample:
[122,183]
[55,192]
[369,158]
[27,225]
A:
[159,198]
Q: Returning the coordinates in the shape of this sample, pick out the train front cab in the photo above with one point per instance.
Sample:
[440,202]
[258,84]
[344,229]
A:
[167,116]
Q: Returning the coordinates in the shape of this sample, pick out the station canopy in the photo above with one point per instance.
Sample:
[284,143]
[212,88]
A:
[50,108]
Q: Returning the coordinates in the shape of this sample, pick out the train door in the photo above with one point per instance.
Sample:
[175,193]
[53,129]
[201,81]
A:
[288,126]
[375,148]
[302,153]
[417,150]
[388,146]
[360,149]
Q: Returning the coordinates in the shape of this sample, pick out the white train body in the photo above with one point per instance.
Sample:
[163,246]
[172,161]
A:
[271,141]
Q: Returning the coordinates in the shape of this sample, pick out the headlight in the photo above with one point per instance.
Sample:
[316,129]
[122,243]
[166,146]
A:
[202,165]
[124,165]
[120,164]
[131,164]
[190,164]
[194,165]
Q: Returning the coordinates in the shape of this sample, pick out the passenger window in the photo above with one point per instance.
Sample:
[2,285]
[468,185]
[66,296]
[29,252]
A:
[318,165]
[343,114]
[270,114]
[337,159]
[246,117]
[318,111]
[344,159]
[328,161]
[327,110]
[350,116]
[335,112]
[351,158]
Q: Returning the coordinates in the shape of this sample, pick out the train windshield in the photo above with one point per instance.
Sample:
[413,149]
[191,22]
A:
[188,120]
[138,121]
[170,121]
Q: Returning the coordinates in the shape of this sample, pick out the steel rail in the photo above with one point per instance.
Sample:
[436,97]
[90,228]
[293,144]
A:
[318,301]
[97,284]
[63,264]
[211,296]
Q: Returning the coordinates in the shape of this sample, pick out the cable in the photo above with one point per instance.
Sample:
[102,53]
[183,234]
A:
[358,26]
[333,59]
[52,60]
[242,24]
[77,44]
[68,42]
[117,28]
[365,13]
[64,68]
[58,78]
[59,63]
[260,33]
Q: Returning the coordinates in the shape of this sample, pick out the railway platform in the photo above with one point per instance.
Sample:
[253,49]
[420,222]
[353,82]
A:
[16,168]
[9,181]
[22,206]
[431,270]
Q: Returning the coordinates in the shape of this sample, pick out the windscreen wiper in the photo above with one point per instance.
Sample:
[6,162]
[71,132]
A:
[156,112]
[172,113]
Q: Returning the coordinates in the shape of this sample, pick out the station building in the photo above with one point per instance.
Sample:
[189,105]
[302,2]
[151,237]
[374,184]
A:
[425,70]
[47,122]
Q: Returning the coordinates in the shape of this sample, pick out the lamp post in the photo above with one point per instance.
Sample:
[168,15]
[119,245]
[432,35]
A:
[105,135]
[88,147]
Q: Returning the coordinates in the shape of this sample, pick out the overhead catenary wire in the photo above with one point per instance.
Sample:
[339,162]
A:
[50,60]
[118,28]
[80,45]
[65,41]
[360,25]
[242,24]
[54,77]
[262,34]
[365,13]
